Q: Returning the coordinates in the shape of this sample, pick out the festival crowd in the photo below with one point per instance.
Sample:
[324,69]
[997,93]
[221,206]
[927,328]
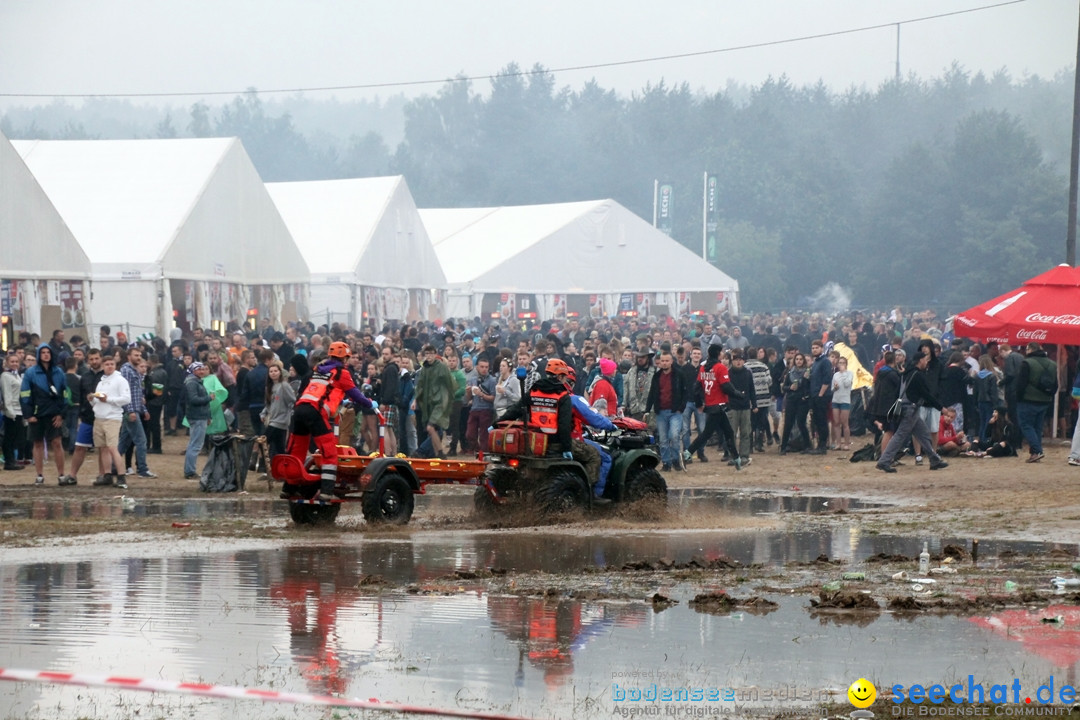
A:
[802,383]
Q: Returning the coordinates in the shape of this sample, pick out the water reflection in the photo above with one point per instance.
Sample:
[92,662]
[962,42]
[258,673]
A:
[548,632]
[317,619]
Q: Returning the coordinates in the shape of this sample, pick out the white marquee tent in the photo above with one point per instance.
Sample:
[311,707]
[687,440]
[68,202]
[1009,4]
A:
[44,274]
[178,230]
[368,251]
[583,258]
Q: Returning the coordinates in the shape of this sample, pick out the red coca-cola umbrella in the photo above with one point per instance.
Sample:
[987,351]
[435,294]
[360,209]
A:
[1046,309]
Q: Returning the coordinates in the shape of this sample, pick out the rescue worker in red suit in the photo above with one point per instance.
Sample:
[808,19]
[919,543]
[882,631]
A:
[549,409]
[330,383]
[713,388]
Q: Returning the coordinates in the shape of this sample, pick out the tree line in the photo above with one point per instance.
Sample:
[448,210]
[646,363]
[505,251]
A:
[940,192]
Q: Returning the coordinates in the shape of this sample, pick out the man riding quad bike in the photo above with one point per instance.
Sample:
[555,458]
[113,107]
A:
[565,465]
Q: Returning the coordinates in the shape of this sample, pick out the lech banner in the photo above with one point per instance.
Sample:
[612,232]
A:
[712,217]
[664,208]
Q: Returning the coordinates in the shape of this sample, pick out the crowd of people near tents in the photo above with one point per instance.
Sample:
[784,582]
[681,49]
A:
[809,383]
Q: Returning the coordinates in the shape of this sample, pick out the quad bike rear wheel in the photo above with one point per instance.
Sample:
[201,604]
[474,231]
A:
[563,492]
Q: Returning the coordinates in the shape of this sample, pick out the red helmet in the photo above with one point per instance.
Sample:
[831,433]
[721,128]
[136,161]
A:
[339,350]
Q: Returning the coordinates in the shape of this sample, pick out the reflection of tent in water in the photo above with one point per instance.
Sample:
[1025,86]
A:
[548,633]
[1058,642]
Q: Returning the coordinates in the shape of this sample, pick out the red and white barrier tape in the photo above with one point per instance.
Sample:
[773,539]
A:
[232,692]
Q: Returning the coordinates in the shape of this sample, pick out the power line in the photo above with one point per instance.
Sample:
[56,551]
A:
[521,73]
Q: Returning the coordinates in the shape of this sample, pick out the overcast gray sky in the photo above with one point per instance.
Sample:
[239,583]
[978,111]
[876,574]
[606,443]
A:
[142,46]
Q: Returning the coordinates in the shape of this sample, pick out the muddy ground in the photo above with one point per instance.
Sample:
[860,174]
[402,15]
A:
[972,498]
[1000,498]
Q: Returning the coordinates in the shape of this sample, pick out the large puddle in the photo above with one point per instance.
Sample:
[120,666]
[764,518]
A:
[454,502]
[303,618]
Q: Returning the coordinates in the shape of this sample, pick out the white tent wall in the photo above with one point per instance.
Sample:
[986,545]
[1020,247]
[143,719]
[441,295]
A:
[34,240]
[128,305]
[605,249]
[586,248]
[460,305]
[334,302]
[377,219]
[234,232]
[37,245]
[400,254]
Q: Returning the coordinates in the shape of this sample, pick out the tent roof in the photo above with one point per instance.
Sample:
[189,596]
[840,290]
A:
[125,200]
[34,241]
[179,208]
[364,227]
[580,247]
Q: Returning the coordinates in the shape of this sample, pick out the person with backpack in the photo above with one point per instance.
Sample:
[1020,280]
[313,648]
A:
[914,394]
[1036,385]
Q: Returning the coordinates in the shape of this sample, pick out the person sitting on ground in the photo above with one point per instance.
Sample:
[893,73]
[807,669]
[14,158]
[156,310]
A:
[951,441]
[1001,431]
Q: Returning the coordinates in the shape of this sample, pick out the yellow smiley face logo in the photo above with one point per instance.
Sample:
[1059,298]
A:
[862,693]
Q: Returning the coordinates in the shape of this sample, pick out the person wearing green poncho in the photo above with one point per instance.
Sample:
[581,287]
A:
[218,395]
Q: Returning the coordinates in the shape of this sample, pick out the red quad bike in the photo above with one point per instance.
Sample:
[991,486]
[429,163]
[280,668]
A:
[520,470]
[384,486]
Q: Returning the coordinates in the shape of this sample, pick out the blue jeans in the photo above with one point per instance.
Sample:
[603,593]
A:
[1031,417]
[605,468]
[669,428]
[133,433]
[691,412]
[197,429]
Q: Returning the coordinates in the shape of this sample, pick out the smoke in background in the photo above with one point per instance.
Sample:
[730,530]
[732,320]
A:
[831,299]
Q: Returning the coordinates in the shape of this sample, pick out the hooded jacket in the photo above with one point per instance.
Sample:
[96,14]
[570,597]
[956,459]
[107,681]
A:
[42,392]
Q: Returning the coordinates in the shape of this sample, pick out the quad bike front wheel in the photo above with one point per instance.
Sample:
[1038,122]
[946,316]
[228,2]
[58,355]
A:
[646,484]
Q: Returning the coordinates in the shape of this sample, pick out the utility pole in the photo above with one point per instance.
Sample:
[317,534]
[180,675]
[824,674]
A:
[897,53]
[1070,235]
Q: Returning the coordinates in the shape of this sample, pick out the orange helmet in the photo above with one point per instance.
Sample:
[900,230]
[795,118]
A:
[339,350]
[555,366]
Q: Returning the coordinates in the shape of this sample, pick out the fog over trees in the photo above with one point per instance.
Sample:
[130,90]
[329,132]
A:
[937,191]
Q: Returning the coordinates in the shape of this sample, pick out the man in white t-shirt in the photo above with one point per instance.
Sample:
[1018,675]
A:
[112,394]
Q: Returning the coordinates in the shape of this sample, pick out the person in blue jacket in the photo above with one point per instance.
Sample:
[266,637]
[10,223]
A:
[585,415]
[44,398]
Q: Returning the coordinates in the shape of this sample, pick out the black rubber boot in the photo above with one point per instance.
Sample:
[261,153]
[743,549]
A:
[326,490]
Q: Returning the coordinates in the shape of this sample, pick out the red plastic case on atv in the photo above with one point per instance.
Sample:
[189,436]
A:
[507,439]
[628,423]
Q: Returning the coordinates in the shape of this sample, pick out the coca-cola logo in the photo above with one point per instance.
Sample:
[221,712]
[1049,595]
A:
[1054,319]
[1030,334]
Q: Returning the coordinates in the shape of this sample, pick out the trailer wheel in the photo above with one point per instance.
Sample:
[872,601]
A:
[390,502]
[563,492]
[646,484]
